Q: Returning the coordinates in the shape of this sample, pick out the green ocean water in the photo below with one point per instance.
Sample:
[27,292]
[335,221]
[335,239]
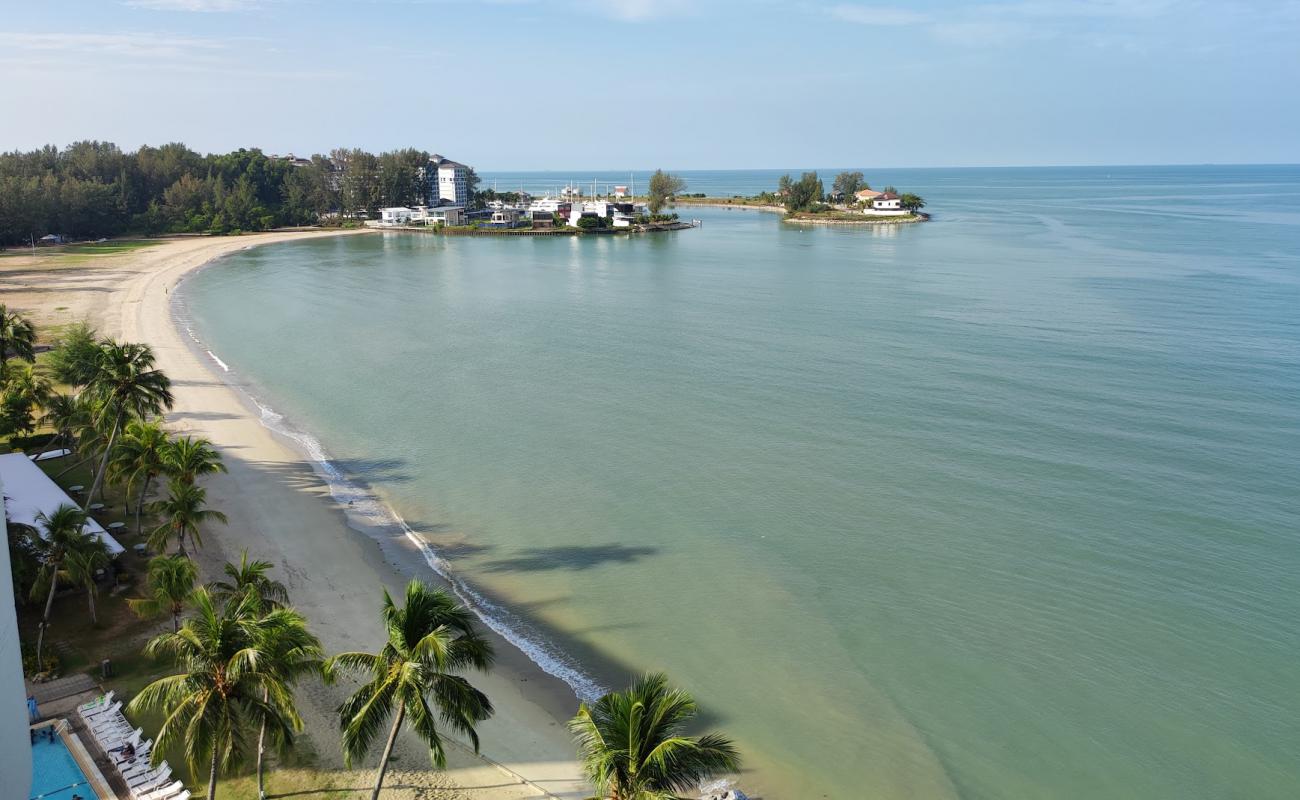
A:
[1003,505]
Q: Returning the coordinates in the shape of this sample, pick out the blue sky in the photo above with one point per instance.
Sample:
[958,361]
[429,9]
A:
[621,84]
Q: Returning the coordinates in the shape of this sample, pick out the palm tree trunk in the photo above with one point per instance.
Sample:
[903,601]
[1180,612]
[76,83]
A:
[388,751]
[139,507]
[74,466]
[180,540]
[90,596]
[212,775]
[45,620]
[261,745]
[103,463]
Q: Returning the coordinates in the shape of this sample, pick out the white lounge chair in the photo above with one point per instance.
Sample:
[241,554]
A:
[96,706]
[97,715]
[107,719]
[159,794]
[184,795]
[140,767]
[150,781]
[114,733]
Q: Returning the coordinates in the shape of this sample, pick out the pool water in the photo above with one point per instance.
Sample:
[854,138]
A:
[55,774]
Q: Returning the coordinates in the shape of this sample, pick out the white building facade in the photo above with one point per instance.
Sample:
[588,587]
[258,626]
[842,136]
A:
[15,749]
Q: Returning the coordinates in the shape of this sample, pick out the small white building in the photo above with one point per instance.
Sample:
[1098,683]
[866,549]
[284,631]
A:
[620,191]
[397,215]
[504,217]
[887,204]
[440,215]
[622,220]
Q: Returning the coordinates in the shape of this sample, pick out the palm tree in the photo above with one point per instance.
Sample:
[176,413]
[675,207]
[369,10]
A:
[139,459]
[183,512]
[24,391]
[250,576]
[64,536]
[632,746]
[82,567]
[171,583]
[186,458]
[66,414]
[429,640]
[17,340]
[125,384]
[211,706]
[290,652]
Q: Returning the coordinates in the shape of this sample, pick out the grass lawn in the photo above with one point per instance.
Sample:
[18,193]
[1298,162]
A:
[70,254]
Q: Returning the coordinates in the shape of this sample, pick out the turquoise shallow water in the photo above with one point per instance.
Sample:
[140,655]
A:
[1004,505]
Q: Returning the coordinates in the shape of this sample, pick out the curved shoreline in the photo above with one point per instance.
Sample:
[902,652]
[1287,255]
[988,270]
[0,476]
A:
[282,508]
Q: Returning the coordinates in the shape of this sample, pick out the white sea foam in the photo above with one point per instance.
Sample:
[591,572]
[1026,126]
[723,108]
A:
[365,509]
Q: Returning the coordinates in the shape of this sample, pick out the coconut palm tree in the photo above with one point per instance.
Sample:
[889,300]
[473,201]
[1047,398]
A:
[290,653]
[17,340]
[138,460]
[211,706]
[250,576]
[125,384]
[429,640]
[82,568]
[186,458]
[632,744]
[64,536]
[66,415]
[24,391]
[183,513]
[171,583]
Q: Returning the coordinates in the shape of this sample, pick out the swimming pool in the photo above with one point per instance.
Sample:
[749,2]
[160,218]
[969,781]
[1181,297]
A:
[55,774]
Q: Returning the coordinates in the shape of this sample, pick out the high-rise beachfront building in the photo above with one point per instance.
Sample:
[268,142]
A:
[451,184]
[15,749]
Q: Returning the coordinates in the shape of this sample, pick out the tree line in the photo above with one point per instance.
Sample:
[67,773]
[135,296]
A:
[239,648]
[93,189]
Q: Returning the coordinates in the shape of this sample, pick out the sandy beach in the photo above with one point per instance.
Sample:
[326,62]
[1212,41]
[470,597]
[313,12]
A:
[281,510]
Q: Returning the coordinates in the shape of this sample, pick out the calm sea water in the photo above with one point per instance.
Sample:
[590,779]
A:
[1004,505]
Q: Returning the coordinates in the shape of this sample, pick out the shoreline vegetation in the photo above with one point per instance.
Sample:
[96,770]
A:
[851,201]
[188,437]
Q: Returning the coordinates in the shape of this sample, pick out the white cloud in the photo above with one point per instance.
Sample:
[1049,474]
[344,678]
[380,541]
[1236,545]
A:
[193,5]
[878,15]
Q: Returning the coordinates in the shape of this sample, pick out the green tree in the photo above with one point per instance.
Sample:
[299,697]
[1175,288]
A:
[138,460]
[64,536]
[24,391]
[171,584]
[125,384]
[292,653]
[633,746]
[74,359]
[847,184]
[83,567]
[800,195]
[66,414]
[212,705]
[185,459]
[429,640]
[250,576]
[183,512]
[663,187]
[912,202]
[17,340]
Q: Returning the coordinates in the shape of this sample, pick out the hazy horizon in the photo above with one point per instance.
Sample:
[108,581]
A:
[523,85]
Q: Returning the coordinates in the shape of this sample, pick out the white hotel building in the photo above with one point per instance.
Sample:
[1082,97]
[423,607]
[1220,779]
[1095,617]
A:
[452,185]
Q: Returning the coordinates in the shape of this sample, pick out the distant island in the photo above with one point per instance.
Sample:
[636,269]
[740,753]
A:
[851,201]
